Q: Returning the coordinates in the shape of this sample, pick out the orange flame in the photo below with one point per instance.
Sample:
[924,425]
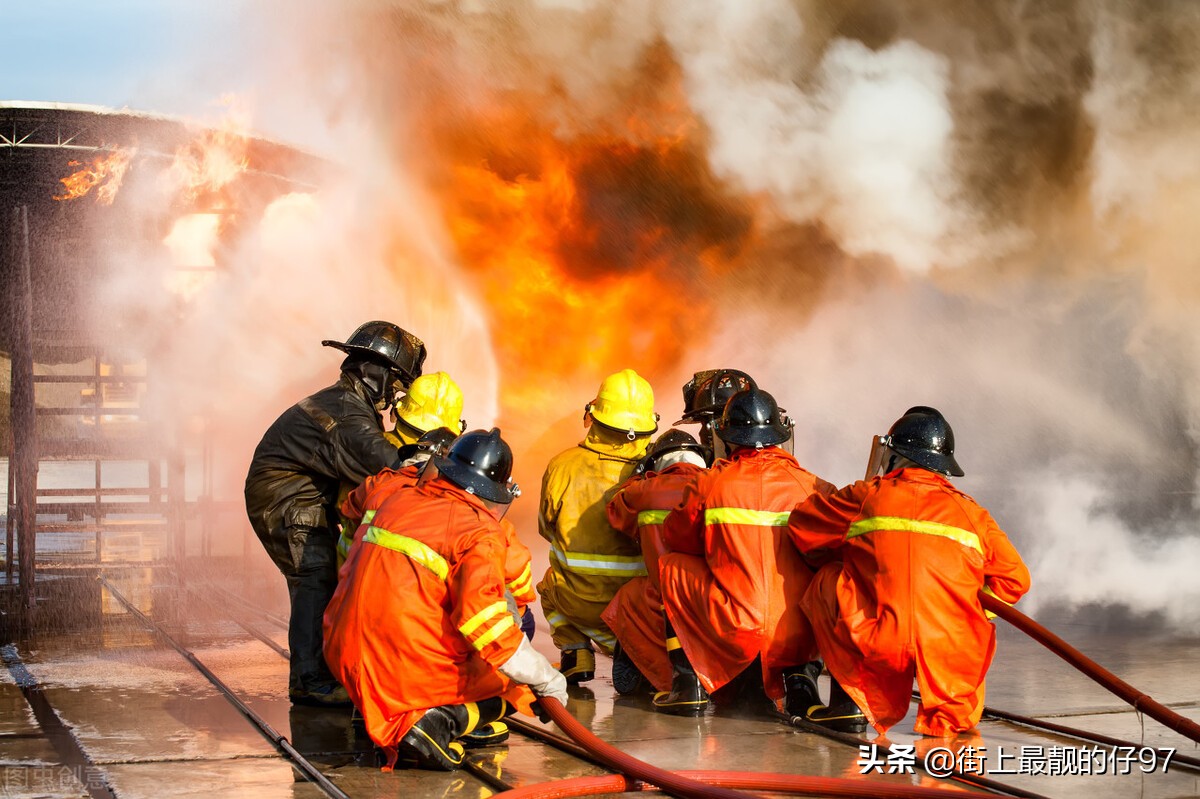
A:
[202,178]
[205,167]
[104,174]
[594,251]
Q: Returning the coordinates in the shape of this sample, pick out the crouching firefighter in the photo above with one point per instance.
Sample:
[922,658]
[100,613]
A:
[432,401]
[589,560]
[639,510]
[732,583]
[904,557]
[420,630]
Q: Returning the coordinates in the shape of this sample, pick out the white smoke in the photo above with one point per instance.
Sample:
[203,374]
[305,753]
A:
[864,147]
[997,212]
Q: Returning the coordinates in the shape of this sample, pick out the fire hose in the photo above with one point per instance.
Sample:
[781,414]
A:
[634,774]
[718,780]
[1140,701]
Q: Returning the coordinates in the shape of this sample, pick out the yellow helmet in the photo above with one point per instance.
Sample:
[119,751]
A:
[625,402]
[432,401]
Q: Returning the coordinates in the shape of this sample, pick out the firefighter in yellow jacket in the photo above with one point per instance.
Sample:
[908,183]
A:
[589,560]
[432,401]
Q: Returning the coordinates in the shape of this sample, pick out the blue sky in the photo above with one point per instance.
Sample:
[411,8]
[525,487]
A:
[167,56]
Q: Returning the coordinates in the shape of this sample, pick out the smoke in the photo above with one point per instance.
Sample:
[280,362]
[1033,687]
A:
[868,205]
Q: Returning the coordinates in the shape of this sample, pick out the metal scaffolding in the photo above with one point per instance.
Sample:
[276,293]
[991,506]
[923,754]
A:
[75,397]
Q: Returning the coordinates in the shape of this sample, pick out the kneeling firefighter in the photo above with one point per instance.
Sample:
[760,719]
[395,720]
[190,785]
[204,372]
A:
[589,560]
[639,510]
[904,554]
[420,630]
[736,600]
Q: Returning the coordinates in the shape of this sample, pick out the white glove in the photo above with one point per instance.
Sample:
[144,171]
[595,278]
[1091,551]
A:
[529,666]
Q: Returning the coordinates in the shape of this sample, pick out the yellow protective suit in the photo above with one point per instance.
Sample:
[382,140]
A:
[589,560]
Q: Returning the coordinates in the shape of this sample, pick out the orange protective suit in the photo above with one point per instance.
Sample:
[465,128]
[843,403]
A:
[419,618]
[635,613]
[740,599]
[354,505]
[518,569]
[518,564]
[903,599]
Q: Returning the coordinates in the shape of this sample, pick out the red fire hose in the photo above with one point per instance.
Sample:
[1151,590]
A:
[717,780]
[693,784]
[1140,701]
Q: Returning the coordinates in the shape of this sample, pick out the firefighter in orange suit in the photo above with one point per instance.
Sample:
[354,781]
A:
[739,600]
[639,510]
[900,600]
[589,560]
[705,395]
[419,630]
[413,459]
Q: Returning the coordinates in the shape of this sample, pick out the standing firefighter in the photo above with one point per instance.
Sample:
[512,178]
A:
[901,599]
[331,438]
[639,510]
[420,630]
[732,583]
[589,560]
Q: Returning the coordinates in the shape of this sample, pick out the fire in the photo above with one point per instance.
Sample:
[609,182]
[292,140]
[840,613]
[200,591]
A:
[594,252]
[191,242]
[202,177]
[104,174]
[204,169]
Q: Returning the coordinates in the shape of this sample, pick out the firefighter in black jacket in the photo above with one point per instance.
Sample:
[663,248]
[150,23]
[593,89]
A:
[332,438]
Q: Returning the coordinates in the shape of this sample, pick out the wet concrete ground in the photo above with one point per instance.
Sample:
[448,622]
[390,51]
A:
[112,710]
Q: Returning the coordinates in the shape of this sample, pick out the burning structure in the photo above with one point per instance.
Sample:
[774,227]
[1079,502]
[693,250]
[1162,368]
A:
[83,368]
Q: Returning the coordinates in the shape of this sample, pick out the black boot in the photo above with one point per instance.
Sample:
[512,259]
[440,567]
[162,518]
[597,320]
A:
[489,734]
[489,730]
[577,665]
[626,678]
[841,715]
[687,696]
[432,738]
[800,693]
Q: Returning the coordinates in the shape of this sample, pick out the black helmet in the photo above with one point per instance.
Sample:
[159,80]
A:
[705,395]
[431,443]
[924,436]
[673,441]
[481,462]
[752,418]
[400,349]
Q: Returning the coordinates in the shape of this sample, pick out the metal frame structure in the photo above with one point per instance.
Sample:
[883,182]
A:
[49,256]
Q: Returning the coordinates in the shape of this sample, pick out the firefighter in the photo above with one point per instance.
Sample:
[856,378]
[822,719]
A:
[413,458]
[331,438]
[705,395]
[731,584]
[432,401]
[904,557]
[638,510]
[420,630]
[519,563]
[589,560]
